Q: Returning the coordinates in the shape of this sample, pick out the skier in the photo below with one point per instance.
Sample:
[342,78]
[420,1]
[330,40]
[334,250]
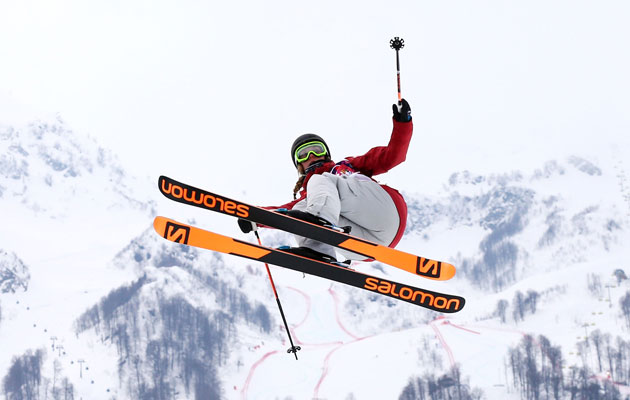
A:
[345,194]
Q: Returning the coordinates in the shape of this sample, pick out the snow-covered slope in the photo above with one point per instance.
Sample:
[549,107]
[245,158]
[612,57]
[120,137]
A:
[104,308]
[88,288]
[67,208]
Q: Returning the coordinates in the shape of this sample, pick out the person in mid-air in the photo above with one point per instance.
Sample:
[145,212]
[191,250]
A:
[345,194]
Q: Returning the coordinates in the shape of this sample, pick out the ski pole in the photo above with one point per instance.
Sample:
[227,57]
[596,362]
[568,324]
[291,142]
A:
[293,349]
[397,43]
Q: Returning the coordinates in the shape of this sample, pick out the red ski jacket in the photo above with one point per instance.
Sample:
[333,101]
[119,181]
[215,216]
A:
[376,161]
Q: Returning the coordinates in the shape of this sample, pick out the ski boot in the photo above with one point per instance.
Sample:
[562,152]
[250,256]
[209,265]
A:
[313,219]
[315,255]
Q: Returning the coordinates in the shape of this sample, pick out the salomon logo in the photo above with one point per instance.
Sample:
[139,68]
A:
[413,295]
[201,199]
[176,233]
[427,267]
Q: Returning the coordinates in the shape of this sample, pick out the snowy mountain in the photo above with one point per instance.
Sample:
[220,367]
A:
[95,305]
[50,170]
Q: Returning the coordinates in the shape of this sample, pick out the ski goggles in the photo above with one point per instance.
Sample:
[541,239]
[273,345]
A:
[303,152]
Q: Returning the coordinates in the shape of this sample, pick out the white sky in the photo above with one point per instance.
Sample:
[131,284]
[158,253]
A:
[214,92]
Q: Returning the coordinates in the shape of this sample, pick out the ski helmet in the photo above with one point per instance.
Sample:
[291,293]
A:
[305,138]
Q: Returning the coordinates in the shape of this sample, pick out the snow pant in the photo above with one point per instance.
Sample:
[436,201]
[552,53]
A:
[350,200]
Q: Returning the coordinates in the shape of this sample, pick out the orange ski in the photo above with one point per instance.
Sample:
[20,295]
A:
[197,237]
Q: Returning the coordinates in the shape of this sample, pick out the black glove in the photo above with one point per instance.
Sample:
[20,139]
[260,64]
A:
[404,115]
[245,225]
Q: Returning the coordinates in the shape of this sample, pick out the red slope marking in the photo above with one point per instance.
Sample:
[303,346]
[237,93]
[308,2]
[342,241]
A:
[252,370]
[619,385]
[324,372]
[460,327]
[355,338]
[307,300]
[338,316]
[445,345]
[326,365]
[293,327]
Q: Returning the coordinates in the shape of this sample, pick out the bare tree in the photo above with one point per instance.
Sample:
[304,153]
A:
[625,308]
[501,311]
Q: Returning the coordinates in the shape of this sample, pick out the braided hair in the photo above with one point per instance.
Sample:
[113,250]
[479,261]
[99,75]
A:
[305,172]
[300,181]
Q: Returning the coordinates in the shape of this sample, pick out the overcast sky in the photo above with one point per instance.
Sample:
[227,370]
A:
[214,92]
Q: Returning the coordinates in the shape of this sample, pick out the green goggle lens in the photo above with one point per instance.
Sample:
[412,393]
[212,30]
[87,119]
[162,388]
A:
[303,152]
